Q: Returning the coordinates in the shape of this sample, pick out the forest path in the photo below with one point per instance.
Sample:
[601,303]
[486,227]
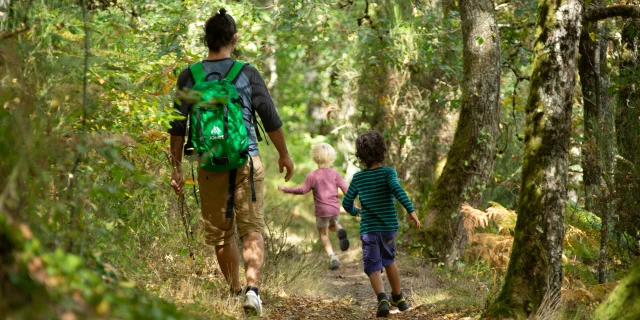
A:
[347,294]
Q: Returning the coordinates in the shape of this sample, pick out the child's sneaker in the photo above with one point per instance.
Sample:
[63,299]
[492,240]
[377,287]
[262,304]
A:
[383,306]
[399,302]
[344,241]
[252,303]
[334,262]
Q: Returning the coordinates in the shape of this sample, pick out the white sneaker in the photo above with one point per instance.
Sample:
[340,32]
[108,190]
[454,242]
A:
[252,304]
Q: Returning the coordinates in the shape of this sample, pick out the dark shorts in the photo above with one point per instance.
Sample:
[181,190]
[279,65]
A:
[378,250]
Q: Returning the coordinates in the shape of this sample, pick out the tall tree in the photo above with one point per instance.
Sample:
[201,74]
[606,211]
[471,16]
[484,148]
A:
[597,149]
[470,159]
[589,69]
[600,178]
[628,129]
[377,75]
[436,134]
[535,266]
[605,143]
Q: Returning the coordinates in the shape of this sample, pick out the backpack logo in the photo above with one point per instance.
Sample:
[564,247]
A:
[216,133]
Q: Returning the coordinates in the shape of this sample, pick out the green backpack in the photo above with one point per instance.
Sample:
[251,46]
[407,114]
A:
[217,129]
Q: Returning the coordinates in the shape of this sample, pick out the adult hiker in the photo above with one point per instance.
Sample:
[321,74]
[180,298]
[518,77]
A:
[218,95]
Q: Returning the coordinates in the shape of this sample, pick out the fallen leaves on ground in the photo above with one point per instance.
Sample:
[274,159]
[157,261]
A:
[297,307]
[306,308]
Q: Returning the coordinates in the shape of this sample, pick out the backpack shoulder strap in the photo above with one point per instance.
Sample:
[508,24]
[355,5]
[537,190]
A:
[234,72]
[197,72]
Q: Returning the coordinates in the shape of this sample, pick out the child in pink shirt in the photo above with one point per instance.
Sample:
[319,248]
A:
[325,183]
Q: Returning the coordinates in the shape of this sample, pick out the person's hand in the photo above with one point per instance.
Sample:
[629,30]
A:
[285,162]
[413,219]
[280,187]
[177,182]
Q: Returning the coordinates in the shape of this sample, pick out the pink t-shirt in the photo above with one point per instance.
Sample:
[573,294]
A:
[324,183]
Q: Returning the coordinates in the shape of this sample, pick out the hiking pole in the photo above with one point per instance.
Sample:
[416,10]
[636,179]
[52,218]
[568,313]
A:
[193,177]
[188,218]
[186,224]
[183,216]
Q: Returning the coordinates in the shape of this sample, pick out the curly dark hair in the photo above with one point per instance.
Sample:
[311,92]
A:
[370,148]
[219,30]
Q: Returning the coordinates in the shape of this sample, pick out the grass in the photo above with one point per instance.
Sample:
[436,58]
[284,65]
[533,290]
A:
[294,263]
[166,269]
[444,291]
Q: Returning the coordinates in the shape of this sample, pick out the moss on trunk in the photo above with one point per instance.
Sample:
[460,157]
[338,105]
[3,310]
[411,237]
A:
[624,302]
[535,266]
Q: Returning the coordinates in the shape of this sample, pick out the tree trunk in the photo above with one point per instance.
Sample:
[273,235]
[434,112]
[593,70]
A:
[589,69]
[605,145]
[597,149]
[376,79]
[535,266]
[437,133]
[470,159]
[622,303]
[628,130]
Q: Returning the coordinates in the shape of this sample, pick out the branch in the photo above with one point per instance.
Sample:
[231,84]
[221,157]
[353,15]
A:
[515,71]
[516,26]
[506,144]
[15,32]
[625,11]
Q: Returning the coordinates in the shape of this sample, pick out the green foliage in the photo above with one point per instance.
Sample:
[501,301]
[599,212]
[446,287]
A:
[582,239]
[581,218]
[40,284]
[581,272]
[97,196]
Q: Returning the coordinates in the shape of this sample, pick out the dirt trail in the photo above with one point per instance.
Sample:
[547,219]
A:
[348,295]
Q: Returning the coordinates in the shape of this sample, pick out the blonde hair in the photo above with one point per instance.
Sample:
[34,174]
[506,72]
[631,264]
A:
[323,154]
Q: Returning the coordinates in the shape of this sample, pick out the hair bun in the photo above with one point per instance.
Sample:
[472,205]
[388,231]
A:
[222,11]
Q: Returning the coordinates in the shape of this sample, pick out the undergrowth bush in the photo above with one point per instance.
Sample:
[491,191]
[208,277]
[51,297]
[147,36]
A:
[38,284]
[288,267]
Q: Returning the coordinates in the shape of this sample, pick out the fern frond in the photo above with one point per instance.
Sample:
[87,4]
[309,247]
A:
[581,218]
[473,218]
[505,219]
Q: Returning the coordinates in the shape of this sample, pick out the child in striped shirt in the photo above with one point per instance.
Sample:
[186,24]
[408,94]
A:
[377,186]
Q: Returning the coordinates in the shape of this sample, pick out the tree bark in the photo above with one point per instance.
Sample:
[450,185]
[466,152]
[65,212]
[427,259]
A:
[628,130]
[622,303]
[470,159]
[535,266]
[605,145]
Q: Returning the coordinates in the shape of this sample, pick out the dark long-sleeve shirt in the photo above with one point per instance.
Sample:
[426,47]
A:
[376,189]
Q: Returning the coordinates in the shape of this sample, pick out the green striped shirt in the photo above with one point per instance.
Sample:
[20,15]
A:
[376,189]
